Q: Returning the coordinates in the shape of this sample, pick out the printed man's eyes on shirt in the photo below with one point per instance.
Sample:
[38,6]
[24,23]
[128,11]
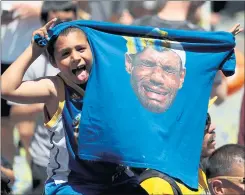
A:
[169,69]
[146,63]
[165,68]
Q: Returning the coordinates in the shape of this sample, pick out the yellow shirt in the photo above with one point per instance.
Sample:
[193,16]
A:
[157,185]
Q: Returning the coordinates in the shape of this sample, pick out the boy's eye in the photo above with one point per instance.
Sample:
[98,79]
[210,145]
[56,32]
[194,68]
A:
[64,53]
[81,49]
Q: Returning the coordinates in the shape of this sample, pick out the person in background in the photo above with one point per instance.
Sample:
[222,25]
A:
[83,12]
[37,142]
[208,145]
[209,139]
[19,19]
[7,176]
[225,170]
[130,10]
[241,134]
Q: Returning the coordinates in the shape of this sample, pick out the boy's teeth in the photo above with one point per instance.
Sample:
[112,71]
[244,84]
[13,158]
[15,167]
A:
[74,71]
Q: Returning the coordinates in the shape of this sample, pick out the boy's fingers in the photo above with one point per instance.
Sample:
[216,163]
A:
[39,32]
[46,35]
[50,23]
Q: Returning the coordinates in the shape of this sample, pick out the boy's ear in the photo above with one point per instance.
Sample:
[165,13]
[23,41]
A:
[128,63]
[51,59]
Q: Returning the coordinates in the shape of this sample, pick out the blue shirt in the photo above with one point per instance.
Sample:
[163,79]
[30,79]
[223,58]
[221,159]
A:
[119,125]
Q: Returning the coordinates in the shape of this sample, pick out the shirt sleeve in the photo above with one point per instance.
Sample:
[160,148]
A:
[241,134]
[229,65]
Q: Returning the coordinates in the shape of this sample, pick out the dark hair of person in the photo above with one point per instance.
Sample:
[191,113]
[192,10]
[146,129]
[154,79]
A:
[221,161]
[208,123]
[49,6]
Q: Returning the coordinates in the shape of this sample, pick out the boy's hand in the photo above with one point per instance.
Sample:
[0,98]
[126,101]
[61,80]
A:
[43,32]
[235,30]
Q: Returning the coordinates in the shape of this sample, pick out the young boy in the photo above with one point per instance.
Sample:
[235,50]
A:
[62,97]
[37,143]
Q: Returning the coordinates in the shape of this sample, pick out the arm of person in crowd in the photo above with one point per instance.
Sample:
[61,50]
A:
[27,10]
[24,116]
[8,172]
[20,10]
[37,91]
[7,169]
[25,112]
[236,29]
[219,88]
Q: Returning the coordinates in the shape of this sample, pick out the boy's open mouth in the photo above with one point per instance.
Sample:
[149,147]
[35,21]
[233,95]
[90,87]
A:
[79,68]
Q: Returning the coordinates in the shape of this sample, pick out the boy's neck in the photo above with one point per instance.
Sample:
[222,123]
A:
[78,88]
[83,86]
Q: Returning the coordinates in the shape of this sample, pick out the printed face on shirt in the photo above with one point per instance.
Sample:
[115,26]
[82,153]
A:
[73,56]
[156,76]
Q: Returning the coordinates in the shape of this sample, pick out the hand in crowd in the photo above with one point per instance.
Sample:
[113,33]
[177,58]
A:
[126,18]
[24,10]
[236,29]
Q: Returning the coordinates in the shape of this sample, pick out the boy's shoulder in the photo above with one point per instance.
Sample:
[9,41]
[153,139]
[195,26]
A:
[56,82]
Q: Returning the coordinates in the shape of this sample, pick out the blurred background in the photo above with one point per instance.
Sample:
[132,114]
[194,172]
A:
[20,18]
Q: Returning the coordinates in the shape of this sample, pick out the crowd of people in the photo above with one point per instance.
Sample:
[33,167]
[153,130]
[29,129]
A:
[31,107]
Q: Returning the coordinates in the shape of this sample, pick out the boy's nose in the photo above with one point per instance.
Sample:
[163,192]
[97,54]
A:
[75,56]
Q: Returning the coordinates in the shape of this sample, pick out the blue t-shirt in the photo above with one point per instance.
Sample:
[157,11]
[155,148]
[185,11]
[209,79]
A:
[147,96]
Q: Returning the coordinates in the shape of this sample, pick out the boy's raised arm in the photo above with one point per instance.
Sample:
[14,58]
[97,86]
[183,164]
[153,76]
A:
[12,87]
